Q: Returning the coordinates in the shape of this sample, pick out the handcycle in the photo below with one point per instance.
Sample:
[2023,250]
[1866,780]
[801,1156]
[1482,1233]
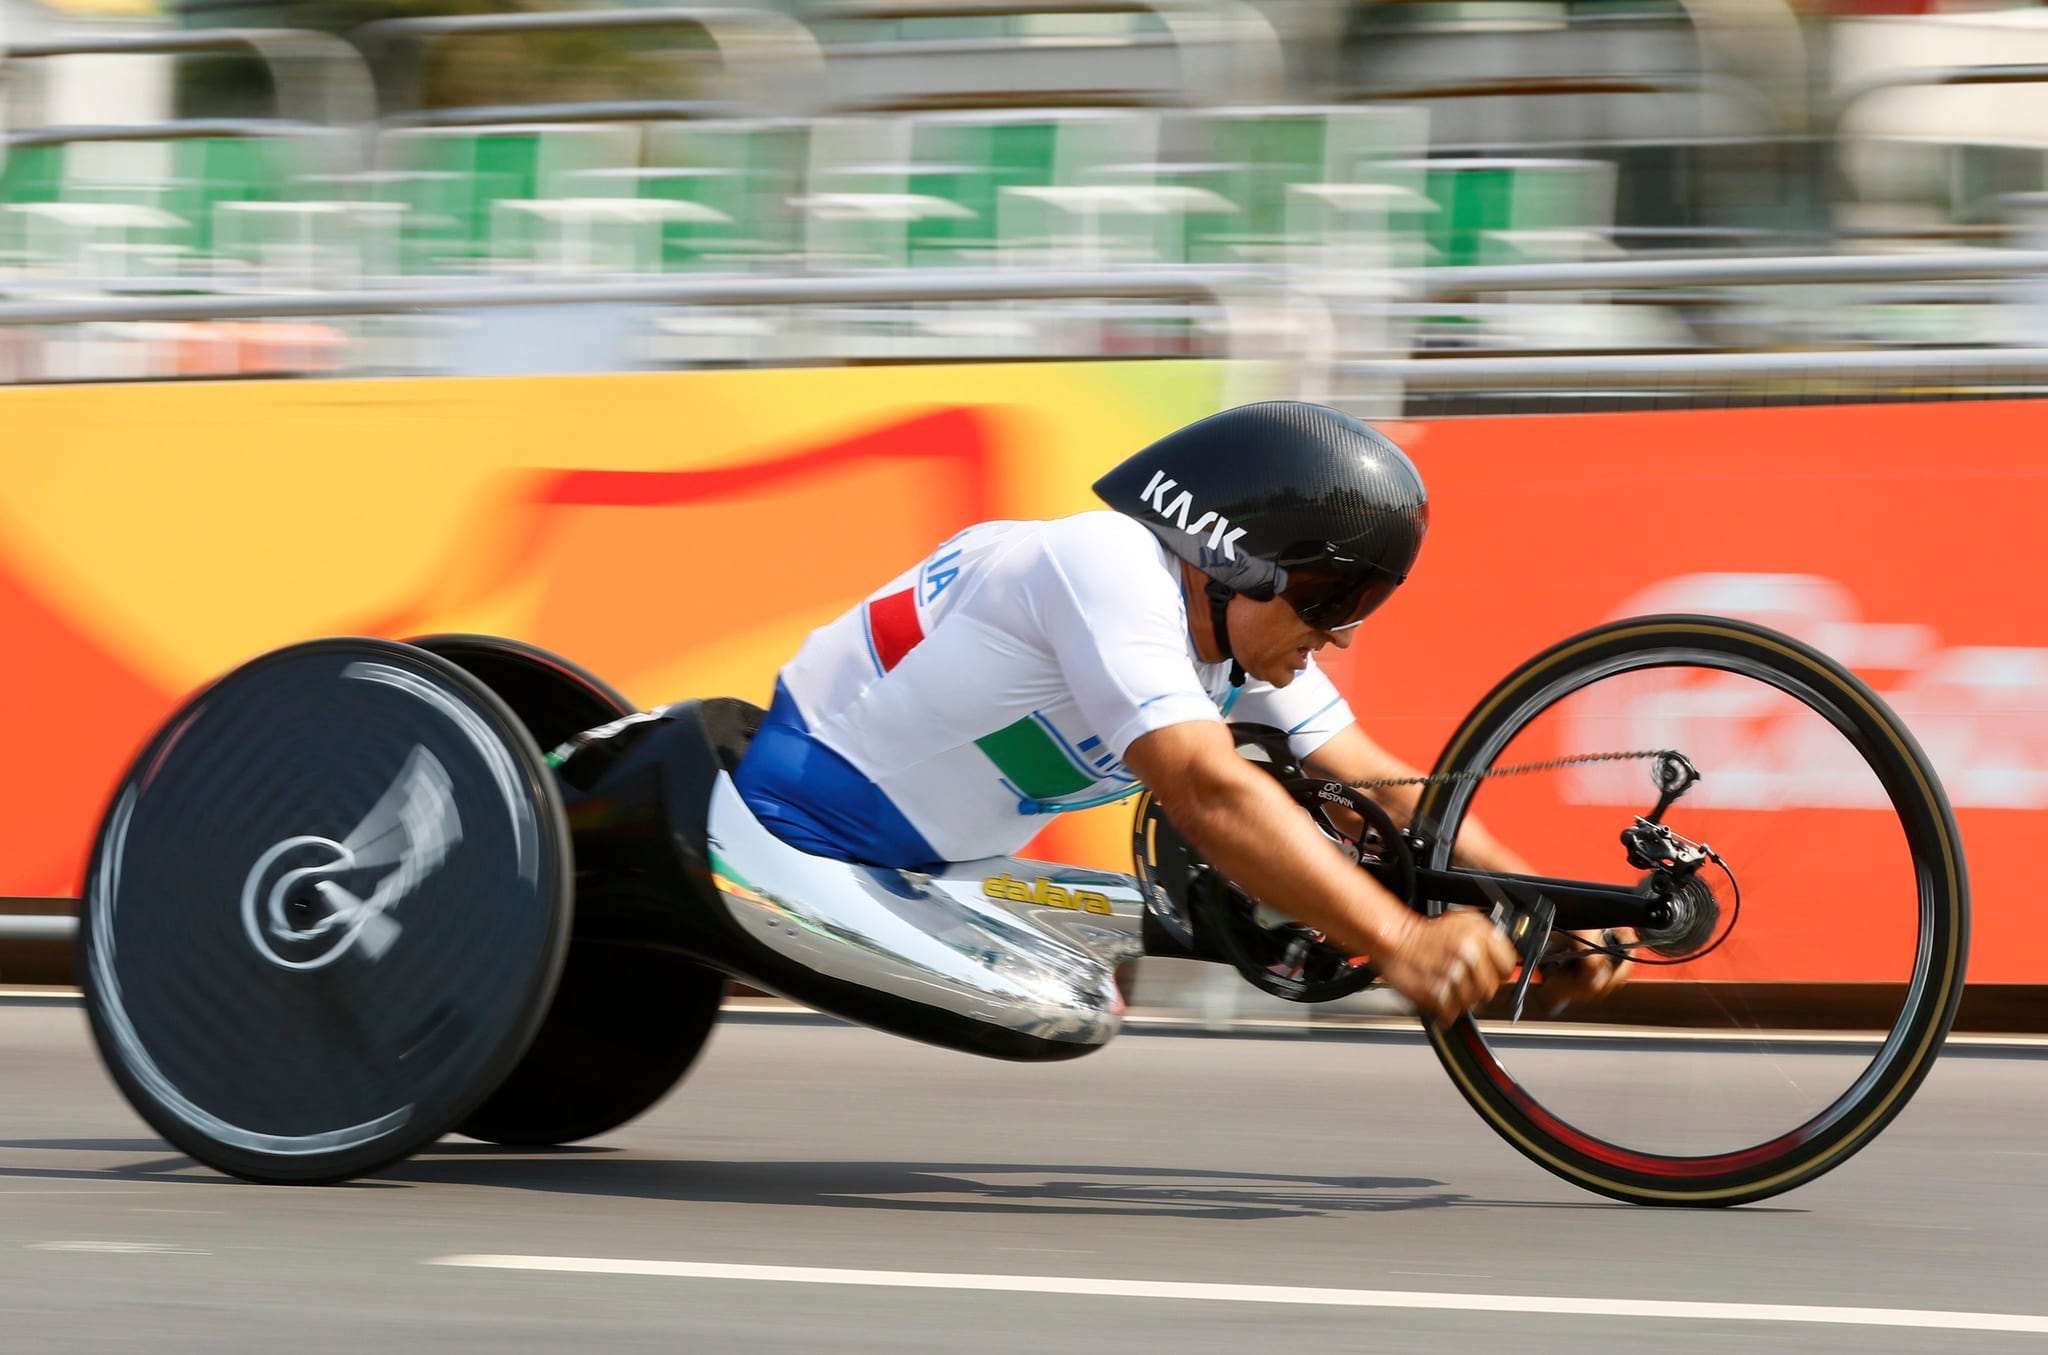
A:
[343,903]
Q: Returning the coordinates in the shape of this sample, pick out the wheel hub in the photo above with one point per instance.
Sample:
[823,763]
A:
[1693,911]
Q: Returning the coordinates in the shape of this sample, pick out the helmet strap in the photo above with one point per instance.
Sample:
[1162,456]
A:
[1219,622]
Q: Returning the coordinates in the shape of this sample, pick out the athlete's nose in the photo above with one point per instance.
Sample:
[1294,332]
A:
[1340,638]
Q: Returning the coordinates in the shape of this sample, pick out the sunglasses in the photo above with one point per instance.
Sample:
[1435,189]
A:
[1330,601]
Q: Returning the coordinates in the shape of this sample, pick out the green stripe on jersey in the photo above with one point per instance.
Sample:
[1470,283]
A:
[1033,761]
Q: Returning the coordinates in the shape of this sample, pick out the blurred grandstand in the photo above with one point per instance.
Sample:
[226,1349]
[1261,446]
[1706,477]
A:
[1419,204]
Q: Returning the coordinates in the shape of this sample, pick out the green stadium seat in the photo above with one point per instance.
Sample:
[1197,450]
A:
[32,174]
[1497,211]
[1261,160]
[157,198]
[973,161]
[210,171]
[856,204]
[748,171]
[450,181]
[187,178]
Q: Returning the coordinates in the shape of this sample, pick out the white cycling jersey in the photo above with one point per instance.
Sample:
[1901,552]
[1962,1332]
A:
[1003,678]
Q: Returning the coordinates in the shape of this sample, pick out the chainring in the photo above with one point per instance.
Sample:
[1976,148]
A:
[1208,917]
[1289,959]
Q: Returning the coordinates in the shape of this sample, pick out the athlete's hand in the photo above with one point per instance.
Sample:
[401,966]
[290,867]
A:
[1585,976]
[1449,964]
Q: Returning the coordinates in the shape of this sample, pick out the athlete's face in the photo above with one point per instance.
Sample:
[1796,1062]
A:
[1272,641]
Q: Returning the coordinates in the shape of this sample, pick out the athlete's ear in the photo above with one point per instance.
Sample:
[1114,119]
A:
[1247,613]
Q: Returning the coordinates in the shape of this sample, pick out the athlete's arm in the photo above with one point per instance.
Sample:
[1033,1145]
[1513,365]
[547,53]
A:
[1243,823]
[1352,755]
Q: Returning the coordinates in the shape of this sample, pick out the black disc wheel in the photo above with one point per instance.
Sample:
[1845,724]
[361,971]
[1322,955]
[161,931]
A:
[326,911]
[553,698]
[1805,974]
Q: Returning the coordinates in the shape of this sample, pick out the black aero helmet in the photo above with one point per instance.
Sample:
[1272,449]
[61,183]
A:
[1281,498]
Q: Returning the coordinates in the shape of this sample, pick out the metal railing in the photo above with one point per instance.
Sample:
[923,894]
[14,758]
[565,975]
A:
[766,53]
[1221,287]
[181,129]
[37,927]
[1160,282]
[1233,291]
[319,79]
[1851,96]
[1228,51]
[1736,91]
[1626,274]
[1927,76]
[609,110]
[1887,371]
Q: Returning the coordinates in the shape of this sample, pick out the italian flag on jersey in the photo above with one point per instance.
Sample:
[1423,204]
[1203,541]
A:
[1031,754]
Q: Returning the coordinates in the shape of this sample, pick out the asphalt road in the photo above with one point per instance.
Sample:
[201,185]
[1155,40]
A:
[1200,1164]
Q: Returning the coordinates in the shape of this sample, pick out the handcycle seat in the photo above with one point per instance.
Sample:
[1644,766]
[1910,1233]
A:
[1004,956]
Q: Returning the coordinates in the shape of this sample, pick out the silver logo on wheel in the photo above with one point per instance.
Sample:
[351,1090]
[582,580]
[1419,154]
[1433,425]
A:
[304,917]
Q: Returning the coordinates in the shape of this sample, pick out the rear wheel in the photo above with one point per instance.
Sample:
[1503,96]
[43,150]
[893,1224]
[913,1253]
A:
[1808,993]
[326,911]
[632,1011]
[630,1016]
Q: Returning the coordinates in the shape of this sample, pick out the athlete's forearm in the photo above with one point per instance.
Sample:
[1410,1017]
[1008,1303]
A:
[1244,824]
[1265,845]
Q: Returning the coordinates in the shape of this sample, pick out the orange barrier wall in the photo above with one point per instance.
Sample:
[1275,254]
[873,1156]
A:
[679,533]
[1902,539]
[676,533]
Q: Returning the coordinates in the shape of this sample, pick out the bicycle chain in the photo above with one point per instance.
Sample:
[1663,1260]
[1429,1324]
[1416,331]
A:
[1512,769]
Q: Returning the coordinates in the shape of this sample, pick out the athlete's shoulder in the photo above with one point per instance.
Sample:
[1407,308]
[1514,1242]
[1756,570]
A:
[1102,536]
[1115,569]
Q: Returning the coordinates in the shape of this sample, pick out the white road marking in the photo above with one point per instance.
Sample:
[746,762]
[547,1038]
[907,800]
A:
[1163,1021]
[1270,1293]
[121,1248]
[86,1190]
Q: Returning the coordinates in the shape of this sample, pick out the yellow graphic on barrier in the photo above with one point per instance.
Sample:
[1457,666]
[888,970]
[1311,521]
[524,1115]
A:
[676,533]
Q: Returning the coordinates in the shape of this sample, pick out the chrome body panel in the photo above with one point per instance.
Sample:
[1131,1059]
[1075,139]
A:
[1023,947]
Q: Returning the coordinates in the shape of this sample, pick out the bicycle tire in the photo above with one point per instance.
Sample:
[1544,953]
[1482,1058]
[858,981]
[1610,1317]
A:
[1910,1046]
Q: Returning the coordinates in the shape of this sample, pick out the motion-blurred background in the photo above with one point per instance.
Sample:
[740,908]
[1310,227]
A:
[1355,186]
[670,332]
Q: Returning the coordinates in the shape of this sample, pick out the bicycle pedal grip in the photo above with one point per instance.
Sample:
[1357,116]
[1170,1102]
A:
[1530,934]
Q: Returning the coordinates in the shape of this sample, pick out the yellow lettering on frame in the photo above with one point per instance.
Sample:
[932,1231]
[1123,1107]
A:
[1045,893]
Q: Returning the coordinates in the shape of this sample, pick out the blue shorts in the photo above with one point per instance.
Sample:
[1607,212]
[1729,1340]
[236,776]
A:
[818,802]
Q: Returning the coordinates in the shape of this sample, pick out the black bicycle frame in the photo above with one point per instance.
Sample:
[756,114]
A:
[1582,905]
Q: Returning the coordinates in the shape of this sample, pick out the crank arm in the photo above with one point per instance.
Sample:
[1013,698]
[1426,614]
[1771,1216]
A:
[1529,930]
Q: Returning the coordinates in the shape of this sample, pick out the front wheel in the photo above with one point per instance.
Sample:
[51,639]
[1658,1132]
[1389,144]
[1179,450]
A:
[1821,955]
